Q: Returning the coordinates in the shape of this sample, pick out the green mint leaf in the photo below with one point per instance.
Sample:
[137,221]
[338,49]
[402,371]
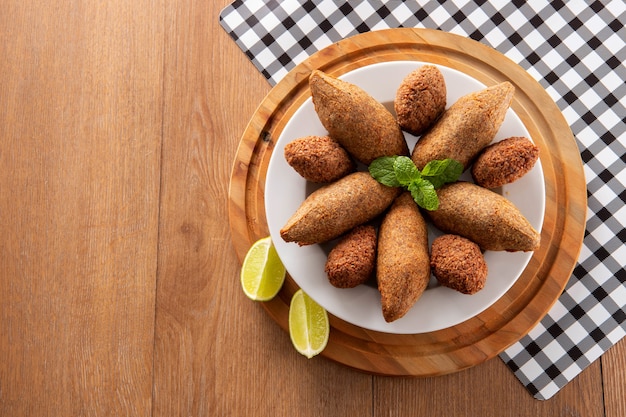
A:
[406,171]
[424,194]
[382,170]
[440,172]
[400,171]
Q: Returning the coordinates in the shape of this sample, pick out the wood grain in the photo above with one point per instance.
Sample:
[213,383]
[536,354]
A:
[80,121]
[480,338]
[191,292]
[614,377]
[460,395]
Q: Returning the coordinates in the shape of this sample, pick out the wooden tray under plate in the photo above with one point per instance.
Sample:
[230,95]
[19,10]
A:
[514,314]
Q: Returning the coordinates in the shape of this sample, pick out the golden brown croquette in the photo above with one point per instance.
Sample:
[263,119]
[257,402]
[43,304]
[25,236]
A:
[464,129]
[504,162]
[402,264]
[458,263]
[362,125]
[420,99]
[335,208]
[484,217]
[352,261]
[318,159]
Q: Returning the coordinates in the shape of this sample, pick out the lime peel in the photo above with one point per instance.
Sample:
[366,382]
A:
[309,327]
[262,272]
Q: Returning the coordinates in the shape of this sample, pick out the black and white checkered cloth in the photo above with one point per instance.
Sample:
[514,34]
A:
[576,50]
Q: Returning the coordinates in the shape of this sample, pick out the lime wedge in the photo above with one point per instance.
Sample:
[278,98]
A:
[262,272]
[309,327]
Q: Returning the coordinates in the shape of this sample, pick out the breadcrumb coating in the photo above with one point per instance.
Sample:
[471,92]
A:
[318,159]
[362,125]
[403,264]
[458,263]
[352,261]
[335,208]
[504,162]
[420,99]
[484,217]
[466,127]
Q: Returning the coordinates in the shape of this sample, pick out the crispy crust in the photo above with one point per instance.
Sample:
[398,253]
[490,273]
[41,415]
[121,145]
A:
[403,263]
[484,217]
[504,162]
[458,263]
[466,127]
[318,159]
[352,261]
[338,207]
[420,99]
[362,125]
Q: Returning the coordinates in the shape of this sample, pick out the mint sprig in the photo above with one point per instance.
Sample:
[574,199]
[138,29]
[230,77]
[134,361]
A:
[400,171]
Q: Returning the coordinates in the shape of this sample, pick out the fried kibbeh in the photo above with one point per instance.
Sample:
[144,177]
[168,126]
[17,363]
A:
[458,263]
[504,162]
[362,125]
[335,208]
[464,129]
[352,261]
[484,217]
[402,263]
[318,159]
[420,99]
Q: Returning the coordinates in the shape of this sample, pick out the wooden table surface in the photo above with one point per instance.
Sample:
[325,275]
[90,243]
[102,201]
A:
[119,291]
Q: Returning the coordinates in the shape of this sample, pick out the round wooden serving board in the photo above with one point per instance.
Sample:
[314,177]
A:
[514,314]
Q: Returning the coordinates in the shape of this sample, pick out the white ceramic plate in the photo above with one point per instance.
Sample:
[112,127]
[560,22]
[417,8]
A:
[439,307]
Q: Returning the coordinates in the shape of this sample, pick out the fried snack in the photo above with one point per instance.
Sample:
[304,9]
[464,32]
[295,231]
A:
[458,263]
[420,99]
[352,261]
[337,207]
[318,159]
[470,124]
[402,265]
[362,125]
[504,162]
[484,217]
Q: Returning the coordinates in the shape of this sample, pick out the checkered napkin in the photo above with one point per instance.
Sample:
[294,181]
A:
[576,51]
